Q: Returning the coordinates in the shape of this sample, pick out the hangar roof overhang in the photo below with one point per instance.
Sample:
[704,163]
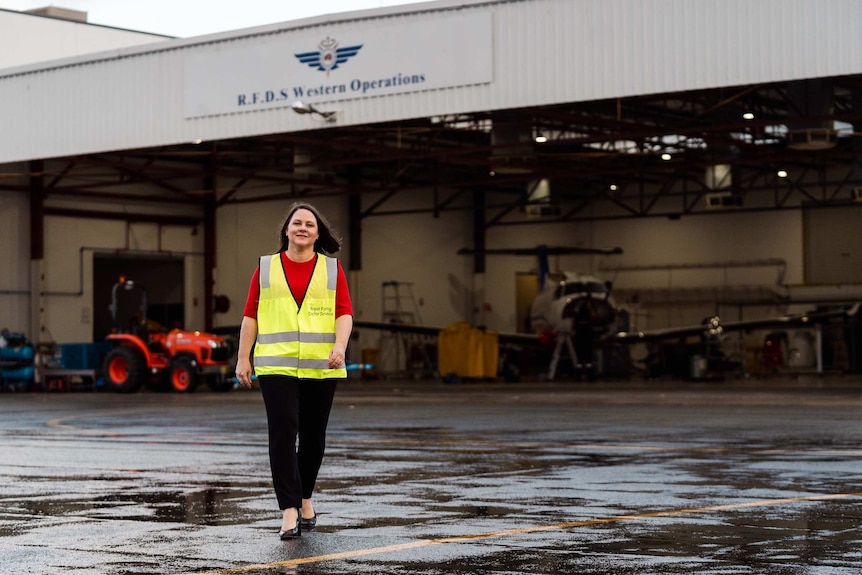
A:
[630,157]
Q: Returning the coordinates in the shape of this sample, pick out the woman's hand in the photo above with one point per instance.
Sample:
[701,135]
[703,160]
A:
[336,357]
[244,372]
[247,335]
[343,326]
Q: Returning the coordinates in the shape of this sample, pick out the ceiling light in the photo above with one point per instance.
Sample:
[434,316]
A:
[665,156]
[613,187]
[748,116]
[782,174]
[541,139]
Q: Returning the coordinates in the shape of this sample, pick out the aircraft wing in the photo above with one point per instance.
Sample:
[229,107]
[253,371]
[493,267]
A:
[543,250]
[397,327]
[715,327]
[515,338]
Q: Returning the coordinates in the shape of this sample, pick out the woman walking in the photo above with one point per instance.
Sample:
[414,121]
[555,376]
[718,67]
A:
[298,318]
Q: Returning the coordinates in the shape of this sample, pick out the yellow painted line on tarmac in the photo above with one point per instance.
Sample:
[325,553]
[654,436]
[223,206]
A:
[520,531]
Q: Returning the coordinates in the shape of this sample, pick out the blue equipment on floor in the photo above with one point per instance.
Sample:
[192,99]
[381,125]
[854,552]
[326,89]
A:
[17,356]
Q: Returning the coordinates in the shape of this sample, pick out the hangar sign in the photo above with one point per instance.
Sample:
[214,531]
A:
[273,71]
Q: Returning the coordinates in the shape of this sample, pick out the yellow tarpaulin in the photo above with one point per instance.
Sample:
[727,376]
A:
[467,352]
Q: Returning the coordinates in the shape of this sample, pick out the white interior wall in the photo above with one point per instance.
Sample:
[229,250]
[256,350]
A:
[833,232]
[422,250]
[416,248]
[244,232]
[732,238]
[68,268]
[729,237]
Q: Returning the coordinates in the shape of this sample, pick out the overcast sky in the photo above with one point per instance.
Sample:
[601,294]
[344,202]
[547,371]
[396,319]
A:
[186,18]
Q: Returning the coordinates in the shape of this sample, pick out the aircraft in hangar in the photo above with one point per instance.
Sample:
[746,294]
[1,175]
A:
[576,313]
[571,311]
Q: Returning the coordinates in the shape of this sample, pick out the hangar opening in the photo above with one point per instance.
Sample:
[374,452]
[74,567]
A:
[158,285]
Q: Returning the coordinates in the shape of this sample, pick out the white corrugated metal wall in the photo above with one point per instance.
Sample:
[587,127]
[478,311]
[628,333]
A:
[544,51]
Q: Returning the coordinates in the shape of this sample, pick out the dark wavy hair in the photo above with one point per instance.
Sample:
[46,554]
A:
[328,242]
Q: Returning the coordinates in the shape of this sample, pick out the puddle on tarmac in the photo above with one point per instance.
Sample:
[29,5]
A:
[405,437]
[488,511]
[824,532]
[210,506]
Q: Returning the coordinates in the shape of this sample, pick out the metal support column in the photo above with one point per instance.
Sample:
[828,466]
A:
[36,170]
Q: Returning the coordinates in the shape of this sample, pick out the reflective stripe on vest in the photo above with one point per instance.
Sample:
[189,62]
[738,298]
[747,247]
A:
[294,340]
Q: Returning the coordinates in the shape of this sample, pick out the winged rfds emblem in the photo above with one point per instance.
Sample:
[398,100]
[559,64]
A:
[329,56]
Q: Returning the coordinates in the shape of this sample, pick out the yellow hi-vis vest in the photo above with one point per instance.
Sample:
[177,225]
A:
[294,340]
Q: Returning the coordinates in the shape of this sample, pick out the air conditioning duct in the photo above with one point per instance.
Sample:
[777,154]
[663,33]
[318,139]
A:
[722,200]
[539,211]
[812,139]
[809,126]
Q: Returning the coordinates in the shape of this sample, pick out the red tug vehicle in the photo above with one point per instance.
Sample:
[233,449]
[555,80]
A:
[176,360]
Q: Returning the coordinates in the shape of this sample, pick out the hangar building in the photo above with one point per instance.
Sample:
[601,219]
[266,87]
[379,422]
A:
[715,141]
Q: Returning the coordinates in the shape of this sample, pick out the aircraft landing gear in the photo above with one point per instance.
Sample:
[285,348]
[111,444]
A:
[583,371]
[564,338]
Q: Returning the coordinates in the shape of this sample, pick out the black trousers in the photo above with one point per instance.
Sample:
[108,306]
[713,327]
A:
[296,408]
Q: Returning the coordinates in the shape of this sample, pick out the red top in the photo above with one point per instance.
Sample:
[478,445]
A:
[298,275]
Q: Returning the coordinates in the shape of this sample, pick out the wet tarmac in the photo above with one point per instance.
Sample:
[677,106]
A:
[746,477]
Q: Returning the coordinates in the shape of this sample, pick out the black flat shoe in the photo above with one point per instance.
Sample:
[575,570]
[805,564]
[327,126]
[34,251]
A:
[292,533]
[308,524]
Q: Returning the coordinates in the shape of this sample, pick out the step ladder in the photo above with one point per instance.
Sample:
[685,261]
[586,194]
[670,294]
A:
[406,355]
[399,303]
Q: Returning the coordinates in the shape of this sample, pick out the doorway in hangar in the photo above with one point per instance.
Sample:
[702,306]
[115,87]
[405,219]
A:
[162,278]
[526,289]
